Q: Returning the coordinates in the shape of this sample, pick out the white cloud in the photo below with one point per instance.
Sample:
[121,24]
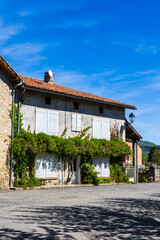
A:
[87,22]
[25,13]
[137,43]
[146,109]
[19,51]
[146,48]
[135,74]
[24,57]
[8,30]
[154,84]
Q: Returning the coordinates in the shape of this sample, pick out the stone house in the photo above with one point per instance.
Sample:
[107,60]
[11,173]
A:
[50,108]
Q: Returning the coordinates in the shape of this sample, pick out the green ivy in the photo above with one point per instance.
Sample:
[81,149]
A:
[117,174]
[15,120]
[27,146]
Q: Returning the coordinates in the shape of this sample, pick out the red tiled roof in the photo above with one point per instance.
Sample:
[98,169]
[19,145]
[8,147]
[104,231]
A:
[53,87]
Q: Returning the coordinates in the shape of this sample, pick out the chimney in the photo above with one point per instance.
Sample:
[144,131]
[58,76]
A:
[48,77]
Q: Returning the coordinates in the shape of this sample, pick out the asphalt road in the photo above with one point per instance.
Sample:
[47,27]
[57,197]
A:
[125,211]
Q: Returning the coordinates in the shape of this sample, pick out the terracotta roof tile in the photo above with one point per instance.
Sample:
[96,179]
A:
[38,84]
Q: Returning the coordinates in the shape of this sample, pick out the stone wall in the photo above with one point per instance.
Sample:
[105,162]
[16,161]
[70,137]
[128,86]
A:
[5,129]
[157,174]
[151,174]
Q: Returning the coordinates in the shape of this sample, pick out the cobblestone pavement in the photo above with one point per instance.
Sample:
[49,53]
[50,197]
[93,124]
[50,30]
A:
[124,211]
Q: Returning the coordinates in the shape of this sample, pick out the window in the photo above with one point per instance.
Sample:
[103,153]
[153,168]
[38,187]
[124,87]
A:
[46,166]
[47,121]
[100,109]
[48,100]
[76,122]
[76,105]
[101,128]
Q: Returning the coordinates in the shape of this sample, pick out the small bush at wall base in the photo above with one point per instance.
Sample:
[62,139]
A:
[29,182]
[117,174]
[105,180]
[125,179]
[89,175]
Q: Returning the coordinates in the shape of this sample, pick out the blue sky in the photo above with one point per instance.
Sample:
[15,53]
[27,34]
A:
[107,47]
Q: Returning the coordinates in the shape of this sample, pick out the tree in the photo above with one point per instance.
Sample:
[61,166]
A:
[154,155]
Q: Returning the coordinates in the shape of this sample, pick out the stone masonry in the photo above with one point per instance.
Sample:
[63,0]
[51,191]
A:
[5,129]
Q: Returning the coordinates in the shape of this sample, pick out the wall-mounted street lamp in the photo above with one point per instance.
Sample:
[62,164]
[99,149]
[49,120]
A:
[131,118]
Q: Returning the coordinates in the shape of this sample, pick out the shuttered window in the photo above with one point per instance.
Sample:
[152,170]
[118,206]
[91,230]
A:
[47,121]
[101,128]
[105,129]
[53,123]
[41,120]
[76,122]
[46,166]
[97,128]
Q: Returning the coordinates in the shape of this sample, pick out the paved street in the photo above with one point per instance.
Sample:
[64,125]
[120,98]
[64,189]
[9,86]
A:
[125,211]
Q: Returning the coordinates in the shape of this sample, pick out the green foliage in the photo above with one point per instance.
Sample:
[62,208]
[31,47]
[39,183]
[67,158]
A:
[125,179]
[115,134]
[27,146]
[146,147]
[117,174]
[15,121]
[154,155]
[105,180]
[145,159]
[145,179]
[64,132]
[29,182]
[88,174]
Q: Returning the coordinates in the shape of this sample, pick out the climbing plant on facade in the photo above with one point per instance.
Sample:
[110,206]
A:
[27,146]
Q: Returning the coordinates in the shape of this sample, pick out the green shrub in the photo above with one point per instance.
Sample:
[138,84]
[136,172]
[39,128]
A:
[105,180]
[29,182]
[117,173]
[145,179]
[125,179]
[21,183]
[88,174]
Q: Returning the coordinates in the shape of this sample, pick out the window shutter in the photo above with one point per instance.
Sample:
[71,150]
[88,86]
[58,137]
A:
[41,120]
[105,167]
[52,167]
[96,128]
[53,123]
[106,129]
[40,168]
[74,122]
[78,122]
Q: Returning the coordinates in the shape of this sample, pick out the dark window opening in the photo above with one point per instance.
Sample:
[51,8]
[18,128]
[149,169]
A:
[48,100]
[100,110]
[76,105]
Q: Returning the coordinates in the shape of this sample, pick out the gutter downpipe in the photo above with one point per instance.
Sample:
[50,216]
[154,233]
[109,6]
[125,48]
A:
[12,133]
[19,99]
[137,161]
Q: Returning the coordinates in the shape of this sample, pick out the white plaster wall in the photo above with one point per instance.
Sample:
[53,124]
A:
[64,105]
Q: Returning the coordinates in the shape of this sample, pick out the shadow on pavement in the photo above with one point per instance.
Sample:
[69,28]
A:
[117,219]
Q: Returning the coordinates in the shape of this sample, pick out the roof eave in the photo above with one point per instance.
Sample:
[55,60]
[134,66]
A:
[8,70]
[78,97]
[134,130]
